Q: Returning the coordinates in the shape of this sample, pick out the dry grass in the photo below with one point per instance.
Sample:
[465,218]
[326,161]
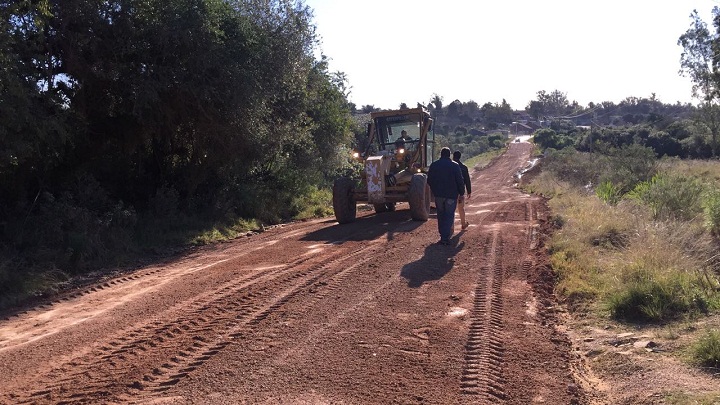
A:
[622,270]
[610,255]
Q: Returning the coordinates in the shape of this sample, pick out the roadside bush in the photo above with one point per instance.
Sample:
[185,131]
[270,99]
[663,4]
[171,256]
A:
[706,351]
[626,166]
[315,204]
[670,197]
[646,296]
[578,169]
[164,204]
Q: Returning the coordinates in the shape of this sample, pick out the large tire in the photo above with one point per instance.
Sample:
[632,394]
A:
[344,204]
[419,197]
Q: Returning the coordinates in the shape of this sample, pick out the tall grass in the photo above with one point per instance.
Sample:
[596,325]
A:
[647,258]
[483,159]
[608,192]
[706,351]
[650,294]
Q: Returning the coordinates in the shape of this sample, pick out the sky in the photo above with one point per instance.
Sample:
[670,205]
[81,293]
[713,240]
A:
[404,51]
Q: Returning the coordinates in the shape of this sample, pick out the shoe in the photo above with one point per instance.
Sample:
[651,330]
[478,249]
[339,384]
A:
[465,225]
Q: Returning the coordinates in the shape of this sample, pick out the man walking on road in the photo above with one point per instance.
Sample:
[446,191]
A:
[446,182]
[462,199]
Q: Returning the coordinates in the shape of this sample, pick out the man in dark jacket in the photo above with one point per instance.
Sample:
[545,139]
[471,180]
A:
[446,182]
[462,199]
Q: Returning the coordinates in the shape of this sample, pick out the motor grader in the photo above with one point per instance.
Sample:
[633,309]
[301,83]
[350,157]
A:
[401,146]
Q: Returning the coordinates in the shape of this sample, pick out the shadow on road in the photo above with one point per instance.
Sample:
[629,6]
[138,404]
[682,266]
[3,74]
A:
[368,227]
[437,261]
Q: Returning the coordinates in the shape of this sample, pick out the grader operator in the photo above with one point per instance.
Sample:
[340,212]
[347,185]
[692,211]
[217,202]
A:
[400,149]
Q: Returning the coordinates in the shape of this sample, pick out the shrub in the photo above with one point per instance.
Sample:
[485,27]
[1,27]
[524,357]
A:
[627,166]
[608,192]
[315,204]
[165,202]
[576,168]
[670,197]
[706,351]
[645,296]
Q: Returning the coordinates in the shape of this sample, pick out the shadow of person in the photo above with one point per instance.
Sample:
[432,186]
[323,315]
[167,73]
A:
[437,261]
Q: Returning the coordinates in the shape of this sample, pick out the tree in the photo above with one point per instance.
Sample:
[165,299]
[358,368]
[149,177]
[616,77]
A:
[494,114]
[437,102]
[549,104]
[698,61]
[201,97]
[453,109]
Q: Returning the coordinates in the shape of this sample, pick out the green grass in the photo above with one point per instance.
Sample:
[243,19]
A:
[647,296]
[706,351]
[483,159]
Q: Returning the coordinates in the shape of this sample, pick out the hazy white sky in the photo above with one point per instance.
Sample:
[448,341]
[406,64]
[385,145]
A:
[395,51]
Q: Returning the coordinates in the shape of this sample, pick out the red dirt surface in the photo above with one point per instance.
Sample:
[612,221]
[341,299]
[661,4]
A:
[373,312]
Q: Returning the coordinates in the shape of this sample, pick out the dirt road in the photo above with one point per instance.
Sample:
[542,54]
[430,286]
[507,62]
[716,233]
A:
[373,312]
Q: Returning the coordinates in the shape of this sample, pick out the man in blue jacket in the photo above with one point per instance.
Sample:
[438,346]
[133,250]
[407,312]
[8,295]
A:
[446,182]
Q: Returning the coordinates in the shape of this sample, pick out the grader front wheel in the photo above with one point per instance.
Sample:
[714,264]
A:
[343,202]
[419,197]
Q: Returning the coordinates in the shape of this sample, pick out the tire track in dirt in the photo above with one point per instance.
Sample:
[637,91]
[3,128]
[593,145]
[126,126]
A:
[49,318]
[227,313]
[482,377]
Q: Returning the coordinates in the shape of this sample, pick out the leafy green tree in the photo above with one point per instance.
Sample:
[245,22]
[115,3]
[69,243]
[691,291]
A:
[453,109]
[699,62]
[114,111]
[549,104]
[549,138]
[494,114]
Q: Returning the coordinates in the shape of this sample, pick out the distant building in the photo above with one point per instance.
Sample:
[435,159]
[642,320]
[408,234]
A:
[518,128]
[534,125]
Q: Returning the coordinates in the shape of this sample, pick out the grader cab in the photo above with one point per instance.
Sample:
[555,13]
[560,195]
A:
[396,160]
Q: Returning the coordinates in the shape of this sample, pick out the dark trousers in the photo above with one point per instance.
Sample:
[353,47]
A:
[446,216]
